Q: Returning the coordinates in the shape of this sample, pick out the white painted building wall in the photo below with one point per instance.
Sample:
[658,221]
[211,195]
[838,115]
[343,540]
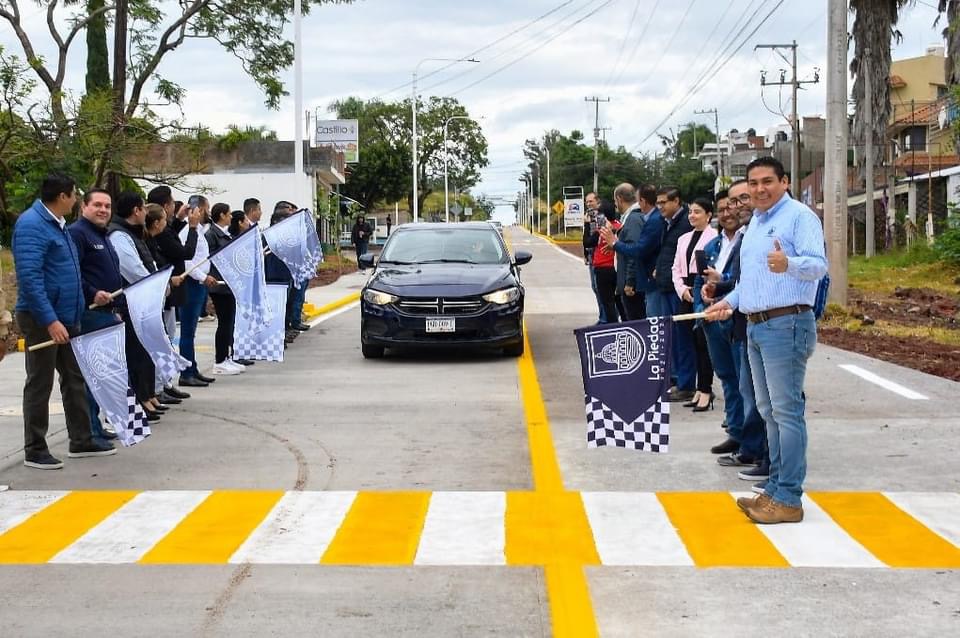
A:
[233,188]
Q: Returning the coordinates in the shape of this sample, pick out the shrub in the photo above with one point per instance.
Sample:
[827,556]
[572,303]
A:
[947,245]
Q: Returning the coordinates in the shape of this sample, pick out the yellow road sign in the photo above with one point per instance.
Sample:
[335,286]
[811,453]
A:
[558,207]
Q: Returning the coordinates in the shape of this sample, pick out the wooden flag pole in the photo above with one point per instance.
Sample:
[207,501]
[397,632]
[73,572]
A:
[42,345]
[113,295]
[690,316]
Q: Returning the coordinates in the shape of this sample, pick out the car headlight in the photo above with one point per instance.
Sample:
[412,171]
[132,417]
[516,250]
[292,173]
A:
[503,297]
[378,298]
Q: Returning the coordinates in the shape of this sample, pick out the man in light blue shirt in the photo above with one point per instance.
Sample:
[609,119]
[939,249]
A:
[782,258]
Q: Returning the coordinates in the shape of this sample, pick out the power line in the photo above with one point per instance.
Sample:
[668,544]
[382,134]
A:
[533,50]
[663,50]
[626,37]
[697,85]
[511,49]
[636,45]
[481,49]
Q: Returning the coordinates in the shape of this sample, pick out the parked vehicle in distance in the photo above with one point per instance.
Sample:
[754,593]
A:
[443,285]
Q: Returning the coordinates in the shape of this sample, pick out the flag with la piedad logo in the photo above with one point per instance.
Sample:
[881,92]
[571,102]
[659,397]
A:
[100,355]
[145,300]
[626,380]
[294,241]
[240,263]
[263,341]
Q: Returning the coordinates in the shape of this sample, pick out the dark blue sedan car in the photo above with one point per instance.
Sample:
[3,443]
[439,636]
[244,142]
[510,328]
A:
[443,285]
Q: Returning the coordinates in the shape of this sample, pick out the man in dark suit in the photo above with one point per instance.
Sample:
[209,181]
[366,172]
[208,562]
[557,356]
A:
[641,255]
[630,301]
[746,445]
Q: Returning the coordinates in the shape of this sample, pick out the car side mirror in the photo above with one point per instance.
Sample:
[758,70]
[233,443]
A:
[367,260]
[522,257]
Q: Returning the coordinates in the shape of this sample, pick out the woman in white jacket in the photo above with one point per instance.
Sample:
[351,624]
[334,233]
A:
[684,272]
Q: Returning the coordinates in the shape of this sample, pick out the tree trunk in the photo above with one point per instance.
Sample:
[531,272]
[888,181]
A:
[98,69]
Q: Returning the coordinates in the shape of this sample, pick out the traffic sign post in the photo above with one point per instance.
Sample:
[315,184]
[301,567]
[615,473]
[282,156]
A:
[572,207]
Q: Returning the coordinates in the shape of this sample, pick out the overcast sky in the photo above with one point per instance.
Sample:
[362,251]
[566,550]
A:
[643,54]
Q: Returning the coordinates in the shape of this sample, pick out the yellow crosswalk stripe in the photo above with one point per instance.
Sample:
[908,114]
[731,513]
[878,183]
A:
[52,529]
[213,532]
[544,528]
[381,528]
[889,533]
[716,532]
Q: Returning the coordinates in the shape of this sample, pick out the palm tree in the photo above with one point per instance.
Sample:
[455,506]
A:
[874,25]
[952,34]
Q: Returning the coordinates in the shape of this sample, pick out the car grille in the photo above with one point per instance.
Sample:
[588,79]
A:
[440,306]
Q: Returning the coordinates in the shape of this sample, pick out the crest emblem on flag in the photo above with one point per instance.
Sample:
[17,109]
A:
[103,363]
[294,241]
[626,378]
[240,263]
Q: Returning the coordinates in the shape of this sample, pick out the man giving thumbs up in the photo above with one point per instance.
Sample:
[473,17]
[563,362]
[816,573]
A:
[781,260]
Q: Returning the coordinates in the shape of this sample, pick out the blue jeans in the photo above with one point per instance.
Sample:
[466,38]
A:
[683,356]
[196,298]
[753,432]
[724,355]
[94,320]
[779,350]
[298,296]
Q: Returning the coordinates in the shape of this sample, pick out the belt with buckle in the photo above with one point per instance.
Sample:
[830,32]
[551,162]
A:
[766,315]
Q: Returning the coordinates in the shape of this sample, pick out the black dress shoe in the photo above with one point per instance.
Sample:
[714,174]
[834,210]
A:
[43,461]
[206,380]
[727,447]
[167,399]
[680,395]
[108,436]
[302,327]
[151,415]
[193,382]
[244,362]
[161,408]
[176,393]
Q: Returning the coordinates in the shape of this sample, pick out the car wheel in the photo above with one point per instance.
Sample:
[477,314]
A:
[515,350]
[371,352]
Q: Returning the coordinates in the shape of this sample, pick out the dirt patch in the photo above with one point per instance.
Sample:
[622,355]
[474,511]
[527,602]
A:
[908,306]
[924,355]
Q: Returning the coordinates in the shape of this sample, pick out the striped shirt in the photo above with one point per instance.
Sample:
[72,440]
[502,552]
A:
[801,236]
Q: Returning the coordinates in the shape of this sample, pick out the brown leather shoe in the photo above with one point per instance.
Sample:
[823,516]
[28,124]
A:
[774,512]
[747,503]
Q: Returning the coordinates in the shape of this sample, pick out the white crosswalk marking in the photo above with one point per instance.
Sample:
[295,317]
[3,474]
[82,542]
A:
[130,532]
[463,528]
[297,530]
[631,528]
[816,542]
[16,507]
[938,511]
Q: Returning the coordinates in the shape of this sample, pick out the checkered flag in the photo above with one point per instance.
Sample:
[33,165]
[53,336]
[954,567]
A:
[136,428]
[262,341]
[294,241]
[100,355]
[626,378]
[650,432]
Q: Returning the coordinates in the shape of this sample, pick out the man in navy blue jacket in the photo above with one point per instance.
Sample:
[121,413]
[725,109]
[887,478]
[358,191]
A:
[49,307]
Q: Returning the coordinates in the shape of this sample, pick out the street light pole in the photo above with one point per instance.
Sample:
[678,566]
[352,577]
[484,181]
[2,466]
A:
[298,91]
[446,158]
[413,108]
[547,149]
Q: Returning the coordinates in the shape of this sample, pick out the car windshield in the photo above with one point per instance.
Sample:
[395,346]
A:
[445,245]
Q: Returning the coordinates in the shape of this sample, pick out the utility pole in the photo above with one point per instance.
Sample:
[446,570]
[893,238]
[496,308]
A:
[549,205]
[716,125]
[596,138]
[871,244]
[835,168]
[794,118]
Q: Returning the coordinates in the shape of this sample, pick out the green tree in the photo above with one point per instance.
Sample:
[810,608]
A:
[691,130]
[98,63]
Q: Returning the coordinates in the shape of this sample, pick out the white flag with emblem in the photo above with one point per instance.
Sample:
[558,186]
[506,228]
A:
[294,241]
[145,302]
[263,341]
[103,362]
[241,265]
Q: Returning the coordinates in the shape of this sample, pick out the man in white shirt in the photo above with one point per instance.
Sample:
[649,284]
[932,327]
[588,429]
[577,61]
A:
[196,284]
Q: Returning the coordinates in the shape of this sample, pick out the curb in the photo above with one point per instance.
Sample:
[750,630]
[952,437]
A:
[554,241]
[312,312]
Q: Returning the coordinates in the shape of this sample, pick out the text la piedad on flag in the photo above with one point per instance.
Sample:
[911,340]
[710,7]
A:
[626,380]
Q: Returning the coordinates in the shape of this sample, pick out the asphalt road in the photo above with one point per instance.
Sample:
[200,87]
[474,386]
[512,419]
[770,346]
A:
[414,496]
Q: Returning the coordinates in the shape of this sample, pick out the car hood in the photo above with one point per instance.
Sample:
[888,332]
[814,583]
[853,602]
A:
[433,280]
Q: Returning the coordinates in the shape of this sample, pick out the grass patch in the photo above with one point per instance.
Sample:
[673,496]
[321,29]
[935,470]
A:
[573,235]
[837,317]
[919,267]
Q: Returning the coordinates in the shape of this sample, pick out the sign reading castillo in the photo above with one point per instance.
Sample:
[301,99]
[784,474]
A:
[343,135]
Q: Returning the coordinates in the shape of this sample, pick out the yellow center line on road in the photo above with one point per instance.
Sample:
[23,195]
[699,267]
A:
[549,526]
[381,528]
[214,531]
[54,528]
[889,533]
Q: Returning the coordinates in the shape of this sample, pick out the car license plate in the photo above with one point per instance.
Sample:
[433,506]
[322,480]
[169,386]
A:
[441,324]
